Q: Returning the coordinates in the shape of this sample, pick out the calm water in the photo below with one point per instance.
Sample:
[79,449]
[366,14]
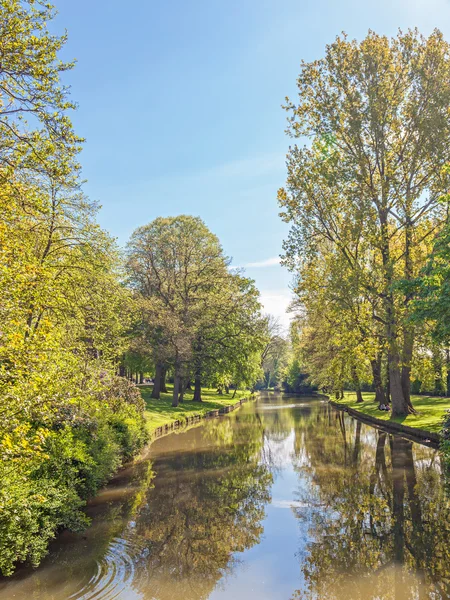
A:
[284,499]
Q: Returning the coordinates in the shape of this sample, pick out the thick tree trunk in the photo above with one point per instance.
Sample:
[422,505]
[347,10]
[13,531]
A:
[163,380]
[122,370]
[182,386]
[357,385]
[156,392]
[380,396]
[400,405]
[141,377]
[197,389]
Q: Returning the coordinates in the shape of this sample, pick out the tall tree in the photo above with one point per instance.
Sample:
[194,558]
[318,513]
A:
[377,112]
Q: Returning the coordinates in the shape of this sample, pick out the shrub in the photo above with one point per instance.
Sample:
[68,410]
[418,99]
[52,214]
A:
[50,468]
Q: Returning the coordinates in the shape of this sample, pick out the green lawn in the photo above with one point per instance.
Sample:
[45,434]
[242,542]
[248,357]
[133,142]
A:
[430,410]
[160,412]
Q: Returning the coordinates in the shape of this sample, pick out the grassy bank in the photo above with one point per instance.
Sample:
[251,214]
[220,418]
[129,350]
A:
[430,410]
[161,412]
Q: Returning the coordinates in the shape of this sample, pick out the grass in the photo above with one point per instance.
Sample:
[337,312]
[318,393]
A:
[430,410]
[161,412]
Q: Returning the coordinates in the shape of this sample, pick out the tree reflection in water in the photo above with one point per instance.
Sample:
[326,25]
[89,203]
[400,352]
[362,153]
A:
[380,519]
[207,504]
[371,509]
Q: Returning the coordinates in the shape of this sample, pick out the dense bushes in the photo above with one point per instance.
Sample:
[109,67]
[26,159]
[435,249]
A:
[45,489]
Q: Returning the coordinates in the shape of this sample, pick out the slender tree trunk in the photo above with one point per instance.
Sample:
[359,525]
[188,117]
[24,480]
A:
[197,388]
[448,370]
[156,392]
[188,385]
[357,385]
[388,383]
[163,379]
[122,371]
[408,332]
[437,367]
[227,389]
[176,386]
[235,390]
[380,396]
[408,344]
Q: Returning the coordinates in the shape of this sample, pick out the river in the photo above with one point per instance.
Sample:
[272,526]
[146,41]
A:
[286,498]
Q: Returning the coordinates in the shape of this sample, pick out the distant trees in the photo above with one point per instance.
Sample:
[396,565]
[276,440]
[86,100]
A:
[363,198]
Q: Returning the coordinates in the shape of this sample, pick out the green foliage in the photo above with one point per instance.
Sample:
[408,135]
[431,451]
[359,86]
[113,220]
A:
[363,201]
[432,289]
[65,423]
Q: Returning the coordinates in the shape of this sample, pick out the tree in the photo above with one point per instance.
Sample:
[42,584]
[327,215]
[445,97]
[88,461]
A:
[176,264]
[377,114]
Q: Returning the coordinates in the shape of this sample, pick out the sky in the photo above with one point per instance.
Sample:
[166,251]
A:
[180,102]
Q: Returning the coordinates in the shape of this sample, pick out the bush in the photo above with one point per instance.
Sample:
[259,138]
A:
[60,465]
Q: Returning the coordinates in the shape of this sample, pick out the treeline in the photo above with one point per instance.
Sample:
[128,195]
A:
[75,313]
[367,200]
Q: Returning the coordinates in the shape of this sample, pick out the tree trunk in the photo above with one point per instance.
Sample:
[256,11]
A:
[141,377]
[408,343]
[400,405]
[176,387]
[357,385]
[156,392]
[437,367]
[380,396]
[182,384]
[197,388]
[235,390]
[122,371]
[163,379]
[227,389]
[448,370]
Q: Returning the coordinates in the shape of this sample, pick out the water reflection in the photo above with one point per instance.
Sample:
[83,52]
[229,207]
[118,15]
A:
[380,524]
[284,499]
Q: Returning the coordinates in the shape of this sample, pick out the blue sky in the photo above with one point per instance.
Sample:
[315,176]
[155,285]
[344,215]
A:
[180,103]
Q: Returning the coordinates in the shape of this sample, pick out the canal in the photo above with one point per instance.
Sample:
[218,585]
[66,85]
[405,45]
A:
[286,498]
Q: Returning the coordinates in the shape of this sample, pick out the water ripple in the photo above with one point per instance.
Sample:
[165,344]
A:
[114,575]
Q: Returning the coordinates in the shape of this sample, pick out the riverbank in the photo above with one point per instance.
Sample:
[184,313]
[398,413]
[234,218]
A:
[162,417]
[426,424]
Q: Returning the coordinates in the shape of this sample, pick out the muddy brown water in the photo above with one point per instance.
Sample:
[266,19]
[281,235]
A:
[286,498]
